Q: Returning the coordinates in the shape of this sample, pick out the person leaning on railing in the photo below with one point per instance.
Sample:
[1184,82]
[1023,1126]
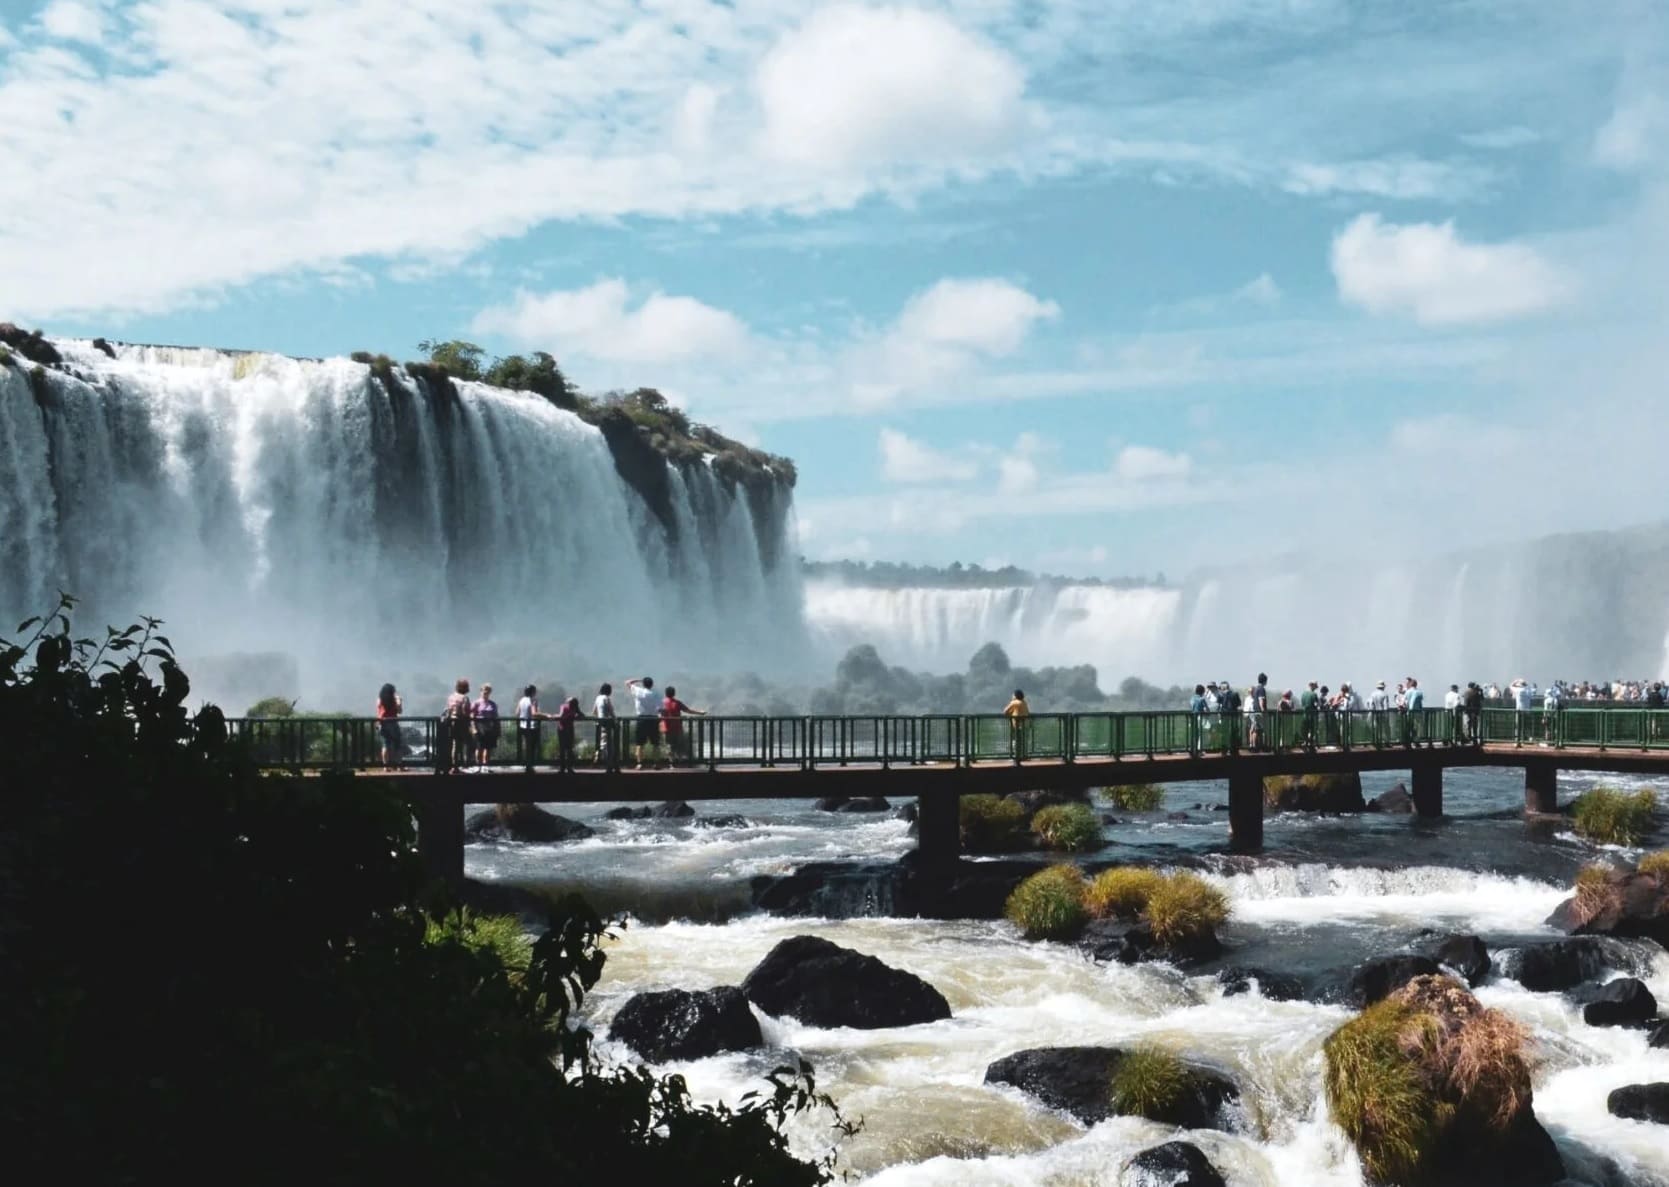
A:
[388,725]
[1018,714]
[528,718]
[455,730]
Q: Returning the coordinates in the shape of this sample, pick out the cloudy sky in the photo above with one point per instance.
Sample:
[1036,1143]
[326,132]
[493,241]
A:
[1095,286]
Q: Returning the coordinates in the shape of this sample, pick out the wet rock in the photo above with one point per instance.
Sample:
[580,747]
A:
[1623,1002]
[625,812]
[671,810]
[101,345]
[823,984]
[30,344]
[1375,980]
[1314,793]
[1275,987]
[1658,1035]
[1466,955]
[909,812]
[1129,942]
[1175,1164]
[1078,1080]
[1640,1102]
[523,822]
[1034,801]
[1627,904]
[723,820]
[842,803]
[678,1024]
[1556,965]
[1176,816]
[1396,802]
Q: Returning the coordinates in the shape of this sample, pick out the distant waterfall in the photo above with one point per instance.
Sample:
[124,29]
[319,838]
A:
[309,516]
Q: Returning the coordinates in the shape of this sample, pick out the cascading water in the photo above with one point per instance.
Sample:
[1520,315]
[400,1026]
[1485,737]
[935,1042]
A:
[336,530]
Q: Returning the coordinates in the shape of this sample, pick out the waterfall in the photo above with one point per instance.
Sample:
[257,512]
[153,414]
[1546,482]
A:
[328,530]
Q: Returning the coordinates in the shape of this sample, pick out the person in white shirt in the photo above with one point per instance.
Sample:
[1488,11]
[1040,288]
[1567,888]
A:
[1524,701]
[646,702]
[527,727]
[1451,702]
[603,710]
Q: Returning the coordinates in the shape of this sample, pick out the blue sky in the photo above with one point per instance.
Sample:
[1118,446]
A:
[1110,287]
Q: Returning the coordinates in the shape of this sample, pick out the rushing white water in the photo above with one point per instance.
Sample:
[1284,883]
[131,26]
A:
[1567,607]
[333,532]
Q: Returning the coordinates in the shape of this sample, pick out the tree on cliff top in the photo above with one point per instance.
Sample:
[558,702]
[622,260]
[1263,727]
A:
[208,971]
[461,359]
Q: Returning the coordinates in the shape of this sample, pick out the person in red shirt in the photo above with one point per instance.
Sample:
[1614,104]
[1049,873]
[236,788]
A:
[673,712]
[565,719]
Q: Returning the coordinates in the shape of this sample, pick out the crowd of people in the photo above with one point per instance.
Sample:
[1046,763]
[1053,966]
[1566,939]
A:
[1648,694]
[471,730]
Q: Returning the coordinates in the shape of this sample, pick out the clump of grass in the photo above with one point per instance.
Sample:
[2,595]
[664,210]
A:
[991,824]
[1049,905]
[1135,797]
[1656,865]
[1069,828]
[1613,817]
[1148,1083]
[1121,892]
[500,934]
[1183,908]
[1593,891]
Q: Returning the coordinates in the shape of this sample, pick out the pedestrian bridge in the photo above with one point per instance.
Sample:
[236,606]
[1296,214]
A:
[939,758]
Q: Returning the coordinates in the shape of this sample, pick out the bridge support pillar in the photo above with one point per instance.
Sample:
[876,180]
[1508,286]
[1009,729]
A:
[1428,791]
[939,829]
[440,834]
[1245,812]
[1541,786]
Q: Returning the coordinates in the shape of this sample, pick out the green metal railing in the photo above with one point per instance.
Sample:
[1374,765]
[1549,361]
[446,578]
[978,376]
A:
[886,741]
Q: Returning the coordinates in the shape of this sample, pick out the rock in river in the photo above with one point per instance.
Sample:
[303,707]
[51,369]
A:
[678,1024]
[823,984]
[1175,1164]
[523,822]
[1078,1080]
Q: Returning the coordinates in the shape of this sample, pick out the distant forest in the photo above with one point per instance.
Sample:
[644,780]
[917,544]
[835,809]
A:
[895,575]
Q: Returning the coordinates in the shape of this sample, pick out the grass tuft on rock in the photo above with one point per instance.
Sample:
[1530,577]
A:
[1377,1094]
[1135,797]
[1184,907]
[1612,817]
[1050,904]
[1148,1083]
[1656,865]
[1122,892]
[1067,828]
[991,824]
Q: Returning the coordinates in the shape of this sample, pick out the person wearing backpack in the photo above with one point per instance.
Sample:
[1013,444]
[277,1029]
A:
[454,723]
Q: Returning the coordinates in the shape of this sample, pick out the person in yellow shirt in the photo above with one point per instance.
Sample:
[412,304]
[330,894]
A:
[1017,711]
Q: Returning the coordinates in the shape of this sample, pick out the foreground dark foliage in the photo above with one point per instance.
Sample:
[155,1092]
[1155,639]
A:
[210,972]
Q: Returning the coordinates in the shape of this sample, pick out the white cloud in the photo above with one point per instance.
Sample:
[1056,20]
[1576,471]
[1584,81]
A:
[1403,178]
[693,121]
[857,85]
[1427,271]
[1635,134]
[1501,139]
[1143,463]
[70,20]
[987,316]
[1017,470]
[904,459]
[1261,291]
[596,321]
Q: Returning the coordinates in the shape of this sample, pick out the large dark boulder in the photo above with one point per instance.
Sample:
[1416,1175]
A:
[1376,979]
[626,812]
[1658,1034]
[1555,965]
[1626,904]
[1078,1080]
[1466,955]
[30,344]
[678,1024]
[1175,1164]
[1396,802]
[823,984]
[524,822]
[1275,987]
[1314,793]
[1128,942]
[1623,1002]
[1640,1102]
[842,803]
[671,810]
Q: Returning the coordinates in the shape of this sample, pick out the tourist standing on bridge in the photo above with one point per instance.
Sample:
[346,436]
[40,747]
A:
[1018,714]
[487,726]
[565,719]
[527,727]
[1472,705]
[1551,702]
[1310,702]
[673,711]
[603,710]
[647,702]
[1524,703]
[388,725]
[1451,702]
[1256,706]
[1413,702]
[455,730]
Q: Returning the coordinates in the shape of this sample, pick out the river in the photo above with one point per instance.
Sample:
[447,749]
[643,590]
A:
[1327,893]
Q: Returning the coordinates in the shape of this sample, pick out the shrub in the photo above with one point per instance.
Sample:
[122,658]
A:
[272,707]
[1049,905]
[1121,892]
[991,824]
[1070,828]
[461,359]
[1656,865]
[1376,1092]
[363,356]
[1183,907]
[1149,1082]
[1135,797]
[1612,817]
[502,935]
